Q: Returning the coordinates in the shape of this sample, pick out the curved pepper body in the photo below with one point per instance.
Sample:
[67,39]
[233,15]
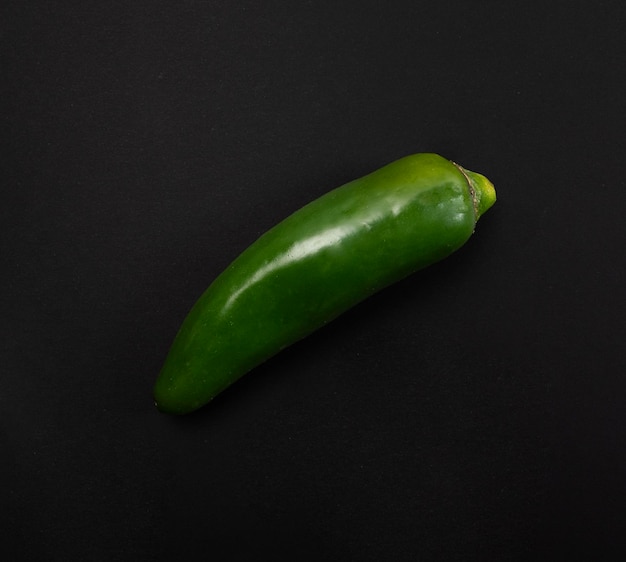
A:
[316,264]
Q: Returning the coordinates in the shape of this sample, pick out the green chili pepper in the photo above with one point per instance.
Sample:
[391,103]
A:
[316,264]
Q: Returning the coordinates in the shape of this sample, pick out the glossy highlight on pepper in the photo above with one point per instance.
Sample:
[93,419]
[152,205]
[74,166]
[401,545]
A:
[316,264]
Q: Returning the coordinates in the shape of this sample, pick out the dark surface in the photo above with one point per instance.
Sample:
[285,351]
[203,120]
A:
[475,411]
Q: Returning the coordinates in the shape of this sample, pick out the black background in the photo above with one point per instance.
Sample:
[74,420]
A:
[474,411]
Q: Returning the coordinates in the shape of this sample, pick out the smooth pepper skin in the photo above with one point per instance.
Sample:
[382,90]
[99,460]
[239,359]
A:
[316,264]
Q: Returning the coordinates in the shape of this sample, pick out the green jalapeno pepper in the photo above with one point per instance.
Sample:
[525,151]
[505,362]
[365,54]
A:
[316,264]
